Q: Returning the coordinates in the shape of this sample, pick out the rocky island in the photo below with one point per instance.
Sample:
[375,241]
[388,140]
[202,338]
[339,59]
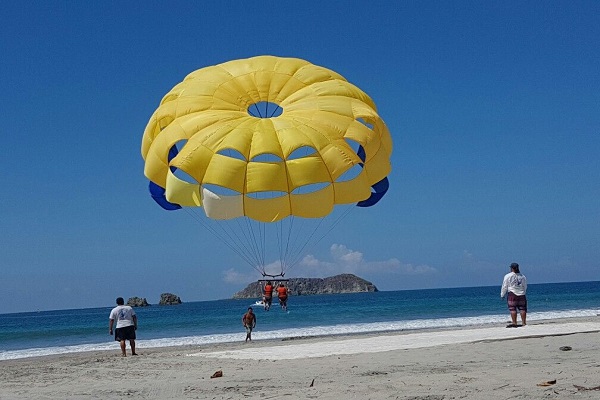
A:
[344,283]
[137,302]
[169,299]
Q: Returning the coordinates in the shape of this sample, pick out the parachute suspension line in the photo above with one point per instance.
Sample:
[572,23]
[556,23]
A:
[257,110]
[226,238]
[242,245]
[239,250]
[343,215]
[273,113]
[255,242]
[286,254]
[297,256]
[279,235]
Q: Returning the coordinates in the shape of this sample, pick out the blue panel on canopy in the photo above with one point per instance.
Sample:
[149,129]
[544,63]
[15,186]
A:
[158,194]
[380,189]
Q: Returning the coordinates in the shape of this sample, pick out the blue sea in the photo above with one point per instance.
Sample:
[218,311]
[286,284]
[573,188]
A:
[207,322]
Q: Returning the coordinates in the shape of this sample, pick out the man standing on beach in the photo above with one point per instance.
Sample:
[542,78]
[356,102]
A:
[515,284]
[249,322]
[126,325]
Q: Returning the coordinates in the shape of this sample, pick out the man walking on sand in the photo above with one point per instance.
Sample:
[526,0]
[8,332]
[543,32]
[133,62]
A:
[515,284]
[126,325]
[249,322]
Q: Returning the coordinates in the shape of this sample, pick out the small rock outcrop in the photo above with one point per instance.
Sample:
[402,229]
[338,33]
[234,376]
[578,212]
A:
[344,283]
[168,299]
[137,302]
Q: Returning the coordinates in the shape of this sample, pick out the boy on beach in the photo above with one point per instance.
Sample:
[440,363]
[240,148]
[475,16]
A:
[126,325]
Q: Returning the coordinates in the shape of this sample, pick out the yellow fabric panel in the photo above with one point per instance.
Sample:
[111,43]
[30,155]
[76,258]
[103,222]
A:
[322,124]
[313,205]
[336,105]
[157,164]
[353,191]
[239,139]
[194,161]
[386,137]
[307,170]
[294,137]
[378,167]
[283,87]
[339,161]
[310,74]
[371,147]
[211,119]
[226,172]
[212,136]
[181,192]
[241,87]
[265,139]
[266,177]
[358,132]
[267,210]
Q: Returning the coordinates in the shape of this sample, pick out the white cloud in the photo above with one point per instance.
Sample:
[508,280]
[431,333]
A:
[342,261]
[345,260]
[235,277]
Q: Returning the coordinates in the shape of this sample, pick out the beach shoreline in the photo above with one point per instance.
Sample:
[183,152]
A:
[482,362]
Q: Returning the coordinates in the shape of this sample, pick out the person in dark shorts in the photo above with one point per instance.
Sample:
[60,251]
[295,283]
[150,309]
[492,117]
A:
[268,295]
[125,327]
[282,295]
[515,285]
[249,322]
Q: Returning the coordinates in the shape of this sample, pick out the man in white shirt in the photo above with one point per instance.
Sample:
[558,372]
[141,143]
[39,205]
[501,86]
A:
[515,284]
[126,325]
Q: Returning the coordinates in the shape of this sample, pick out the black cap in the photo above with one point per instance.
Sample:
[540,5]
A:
[514,265]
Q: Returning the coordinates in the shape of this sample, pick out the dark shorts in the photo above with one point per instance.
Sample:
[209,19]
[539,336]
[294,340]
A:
[283,300]
[268,300]
[517,302]
[127,333]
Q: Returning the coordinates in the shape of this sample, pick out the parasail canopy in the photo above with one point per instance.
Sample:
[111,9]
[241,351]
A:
[266,138]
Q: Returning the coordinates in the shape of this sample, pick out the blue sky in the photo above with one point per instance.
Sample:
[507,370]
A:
[493,108]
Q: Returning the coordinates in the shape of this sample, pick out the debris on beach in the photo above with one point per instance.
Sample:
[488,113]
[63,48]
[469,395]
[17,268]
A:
[547,383]
[582,388]
[312,383]
[217,374]
[565,348]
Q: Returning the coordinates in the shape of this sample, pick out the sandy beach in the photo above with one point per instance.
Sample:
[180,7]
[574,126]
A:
[545,360]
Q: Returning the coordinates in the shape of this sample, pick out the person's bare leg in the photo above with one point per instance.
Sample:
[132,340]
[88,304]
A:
[132,344]
[524,317]
[513,317]
[122,343]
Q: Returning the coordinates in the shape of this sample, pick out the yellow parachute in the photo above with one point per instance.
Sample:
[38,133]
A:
[266,138]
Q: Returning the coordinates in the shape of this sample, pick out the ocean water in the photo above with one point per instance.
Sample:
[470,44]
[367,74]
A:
[197,323]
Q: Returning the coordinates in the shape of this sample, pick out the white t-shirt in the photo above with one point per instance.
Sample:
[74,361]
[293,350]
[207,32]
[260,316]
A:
[123,315]
[516,283]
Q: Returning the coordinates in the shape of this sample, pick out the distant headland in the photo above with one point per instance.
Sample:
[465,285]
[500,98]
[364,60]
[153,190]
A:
[344,283]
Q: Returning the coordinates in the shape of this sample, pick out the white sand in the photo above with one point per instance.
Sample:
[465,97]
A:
[475,363]
[401,342]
